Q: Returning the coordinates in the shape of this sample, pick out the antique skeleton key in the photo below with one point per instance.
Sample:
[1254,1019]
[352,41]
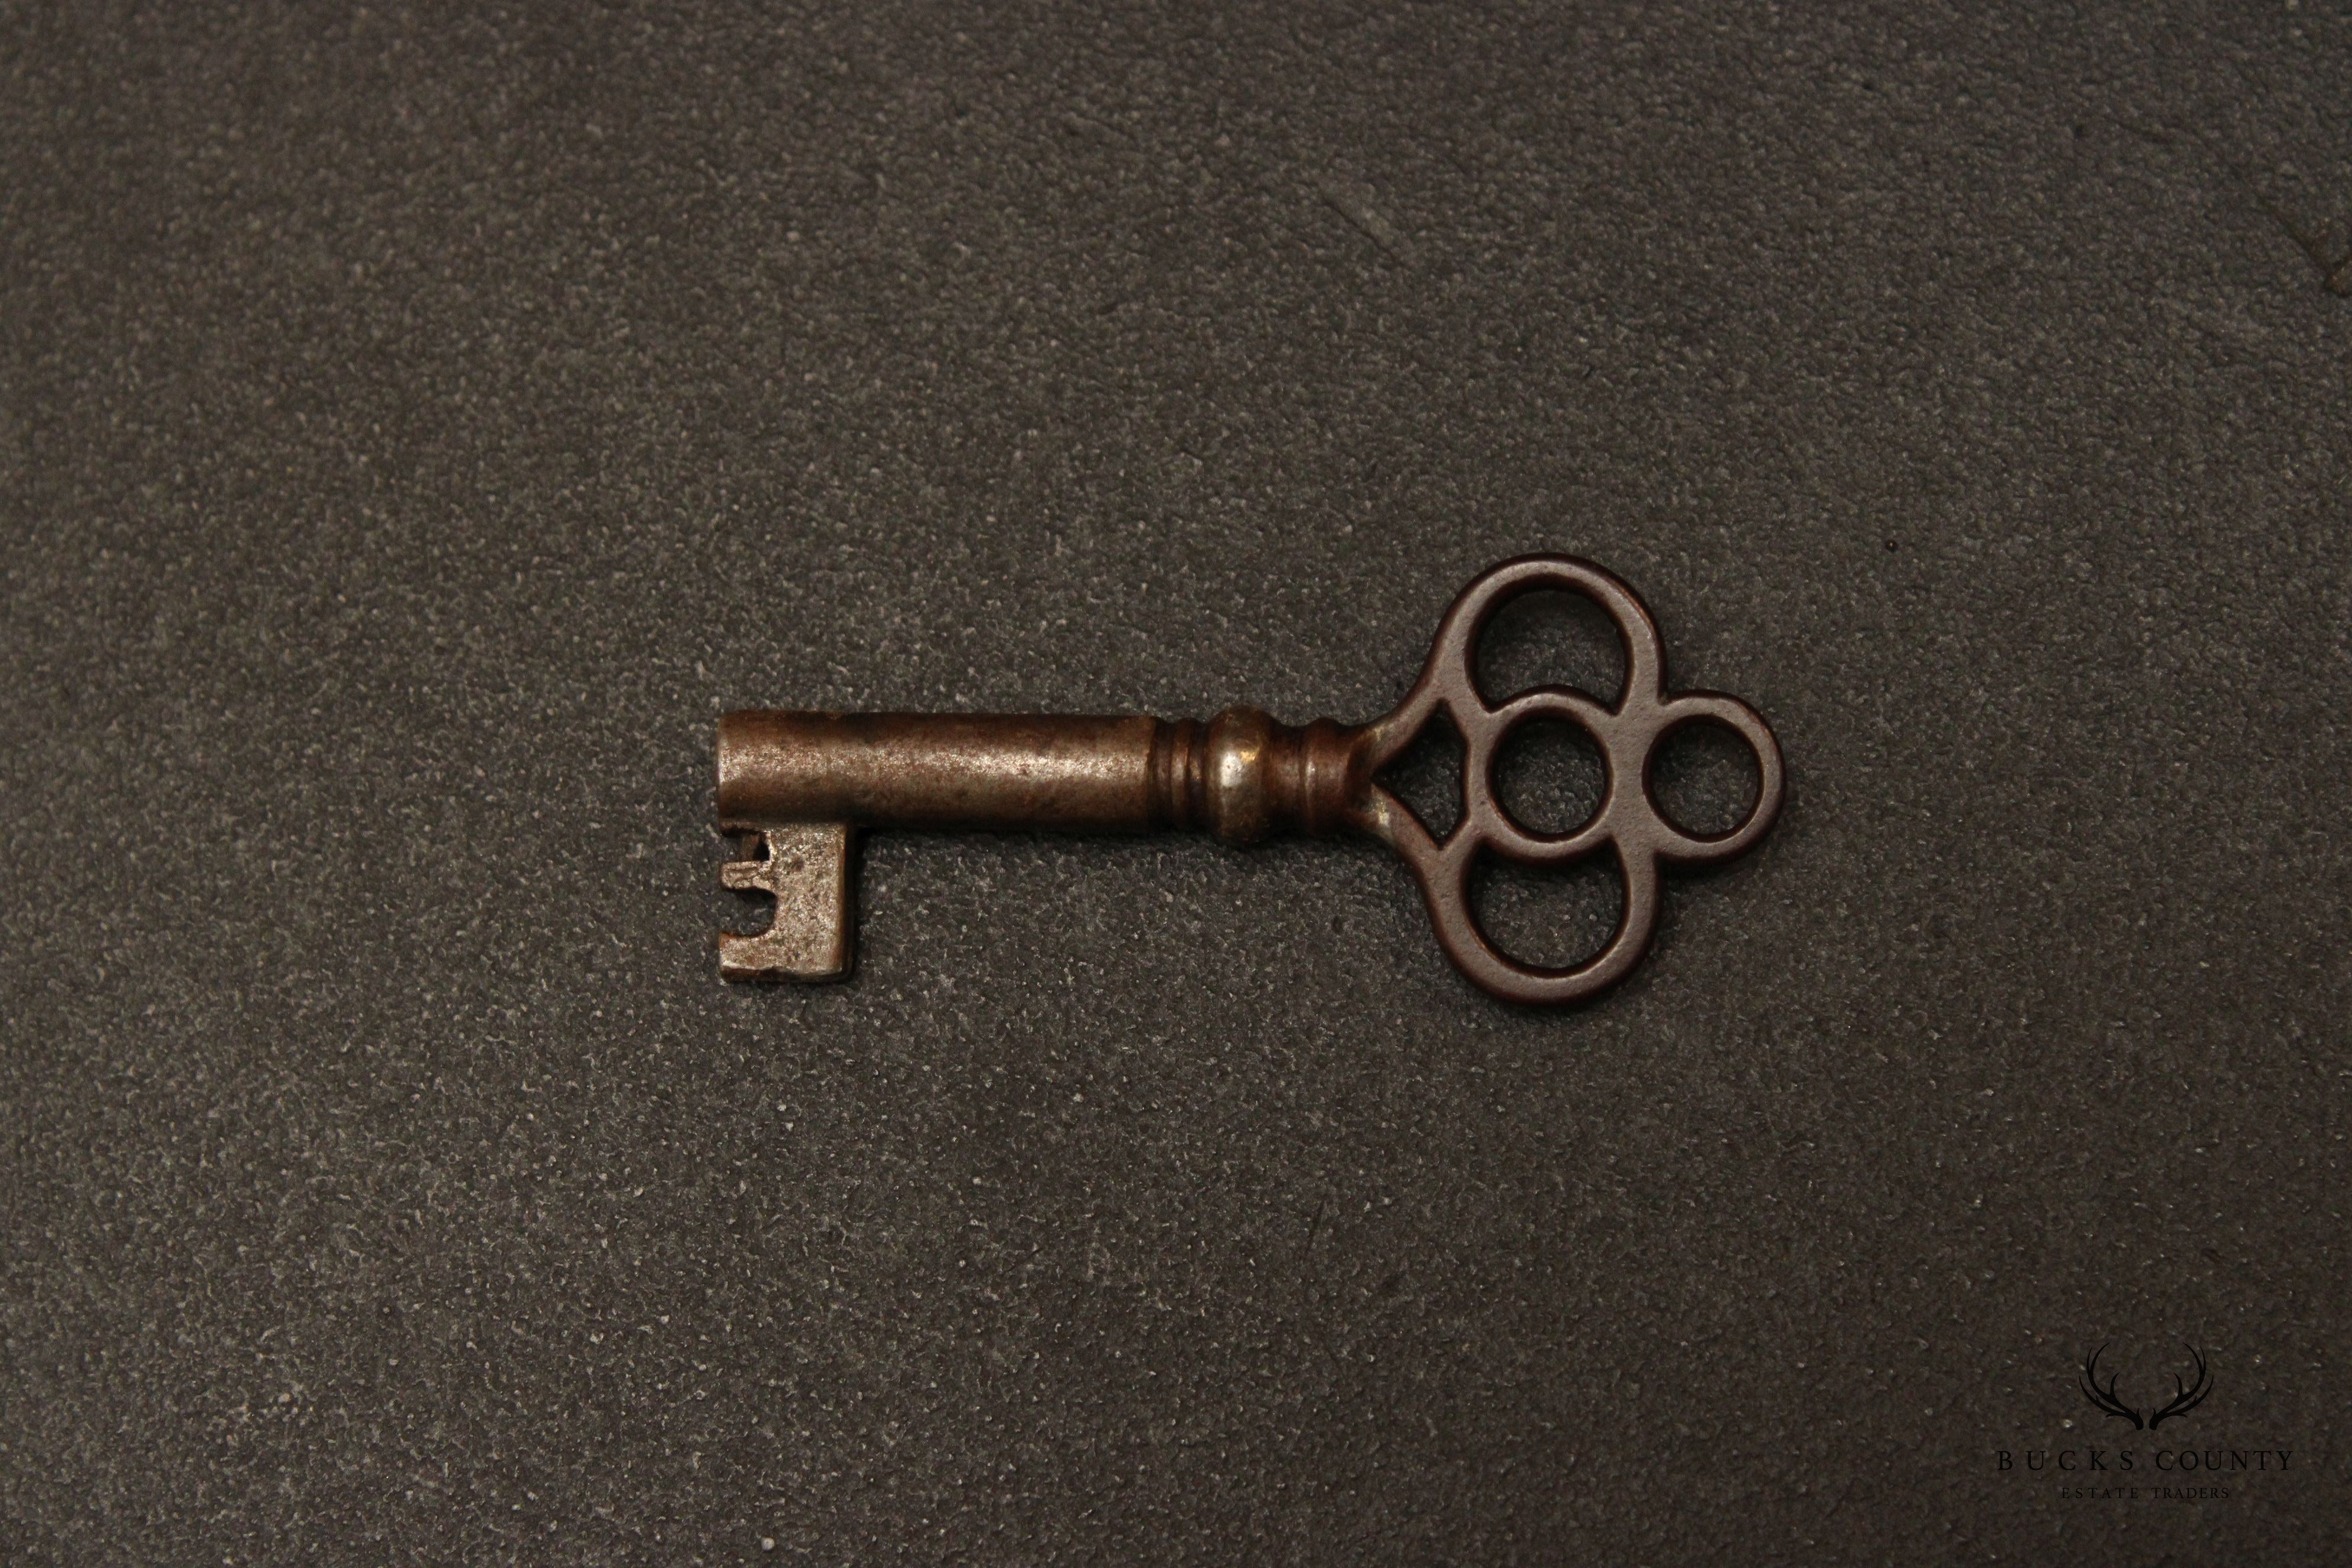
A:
[799,785]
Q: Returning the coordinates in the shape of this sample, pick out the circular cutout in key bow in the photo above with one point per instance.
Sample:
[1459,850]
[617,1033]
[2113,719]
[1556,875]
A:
[1626,734]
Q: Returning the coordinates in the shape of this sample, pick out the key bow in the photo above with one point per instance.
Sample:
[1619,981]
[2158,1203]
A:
[1628,820]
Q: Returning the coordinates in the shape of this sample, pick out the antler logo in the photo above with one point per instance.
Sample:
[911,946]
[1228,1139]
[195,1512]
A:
[2186,1398]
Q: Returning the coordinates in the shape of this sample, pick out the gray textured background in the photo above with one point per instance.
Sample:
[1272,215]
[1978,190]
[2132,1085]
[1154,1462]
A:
[415,426]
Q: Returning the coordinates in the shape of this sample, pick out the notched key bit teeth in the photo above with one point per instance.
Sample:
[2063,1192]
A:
[805,866]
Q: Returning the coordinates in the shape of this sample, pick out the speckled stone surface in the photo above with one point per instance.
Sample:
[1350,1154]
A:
[416,426]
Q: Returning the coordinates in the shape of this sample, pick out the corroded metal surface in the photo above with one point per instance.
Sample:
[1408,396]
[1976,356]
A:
[801,784]
[804,867]
[936,770]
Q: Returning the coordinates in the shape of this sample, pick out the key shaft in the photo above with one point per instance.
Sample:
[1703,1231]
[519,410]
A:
[801,784]
[1240,775]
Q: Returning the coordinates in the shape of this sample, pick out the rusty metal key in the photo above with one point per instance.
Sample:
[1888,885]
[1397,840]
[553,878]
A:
[799,785]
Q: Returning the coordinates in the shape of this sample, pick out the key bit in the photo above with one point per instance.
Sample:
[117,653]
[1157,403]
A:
[804,867]
[798,786]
